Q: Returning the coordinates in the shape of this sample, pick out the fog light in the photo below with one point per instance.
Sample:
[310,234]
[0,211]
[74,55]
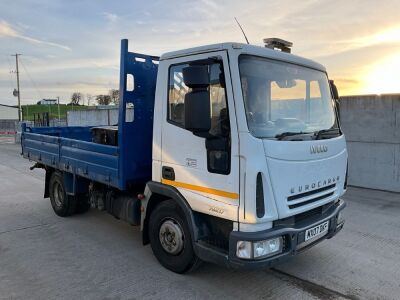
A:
[268,247]
[244,249]
[339,218]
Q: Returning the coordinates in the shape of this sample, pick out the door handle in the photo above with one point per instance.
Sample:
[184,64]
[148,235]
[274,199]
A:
[168,173]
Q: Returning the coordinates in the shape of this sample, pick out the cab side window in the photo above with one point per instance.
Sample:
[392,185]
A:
[176,97]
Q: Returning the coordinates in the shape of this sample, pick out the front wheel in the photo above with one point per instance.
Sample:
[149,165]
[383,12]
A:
[170,238]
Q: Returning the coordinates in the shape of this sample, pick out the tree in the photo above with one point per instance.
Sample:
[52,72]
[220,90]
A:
[76,98]
[103,99]
[114,94]
[89,98]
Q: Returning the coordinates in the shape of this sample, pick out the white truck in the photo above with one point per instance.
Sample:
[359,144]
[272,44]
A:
[248,161]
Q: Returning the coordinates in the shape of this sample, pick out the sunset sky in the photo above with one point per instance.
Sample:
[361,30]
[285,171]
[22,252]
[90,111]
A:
[73,45]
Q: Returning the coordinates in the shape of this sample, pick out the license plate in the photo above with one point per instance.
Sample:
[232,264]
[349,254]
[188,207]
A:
[316,231]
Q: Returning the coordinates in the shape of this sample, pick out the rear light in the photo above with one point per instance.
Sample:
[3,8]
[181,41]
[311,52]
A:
[260,207]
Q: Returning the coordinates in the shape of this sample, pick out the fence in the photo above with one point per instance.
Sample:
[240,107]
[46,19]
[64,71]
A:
[8,127]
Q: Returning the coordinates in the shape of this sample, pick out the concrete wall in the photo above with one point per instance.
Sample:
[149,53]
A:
[372,128]
[8,113]
[92,117]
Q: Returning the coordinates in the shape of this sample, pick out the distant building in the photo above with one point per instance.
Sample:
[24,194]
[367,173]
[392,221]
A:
[8,112]
[47,102]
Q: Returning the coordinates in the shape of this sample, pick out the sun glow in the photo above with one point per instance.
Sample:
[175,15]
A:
[384,76]
[391,35]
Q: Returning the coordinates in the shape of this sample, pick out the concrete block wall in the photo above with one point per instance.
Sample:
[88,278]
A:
[372,127]
[92,117]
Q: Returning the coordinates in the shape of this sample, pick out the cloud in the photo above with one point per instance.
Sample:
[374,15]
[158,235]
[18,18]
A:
[210,4]
[110,17]
[51,64]
[391,35]
[6,30]
[388,37]
[347,80]
[347,37]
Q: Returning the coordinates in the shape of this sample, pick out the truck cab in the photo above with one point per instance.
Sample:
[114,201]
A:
[249,137]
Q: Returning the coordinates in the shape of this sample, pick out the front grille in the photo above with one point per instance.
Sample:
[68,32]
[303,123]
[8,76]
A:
[329,191]
[302,195]
[307,216]
[311,200]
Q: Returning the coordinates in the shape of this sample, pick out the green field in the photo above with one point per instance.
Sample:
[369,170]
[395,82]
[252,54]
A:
[28,111]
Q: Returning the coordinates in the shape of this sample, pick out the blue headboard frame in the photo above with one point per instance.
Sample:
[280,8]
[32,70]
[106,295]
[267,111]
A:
[135,138]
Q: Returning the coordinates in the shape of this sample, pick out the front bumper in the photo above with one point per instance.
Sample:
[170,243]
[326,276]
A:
[293,236]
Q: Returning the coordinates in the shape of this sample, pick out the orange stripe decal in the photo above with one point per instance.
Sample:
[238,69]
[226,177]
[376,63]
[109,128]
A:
[201,189]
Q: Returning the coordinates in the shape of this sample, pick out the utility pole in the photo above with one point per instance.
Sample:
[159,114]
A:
[58,102]
[18,91]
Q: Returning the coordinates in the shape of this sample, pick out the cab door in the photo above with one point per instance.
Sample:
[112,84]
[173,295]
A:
[204,170]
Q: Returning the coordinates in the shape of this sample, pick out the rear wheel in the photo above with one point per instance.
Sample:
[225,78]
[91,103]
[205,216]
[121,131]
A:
[170,238]
[63,205]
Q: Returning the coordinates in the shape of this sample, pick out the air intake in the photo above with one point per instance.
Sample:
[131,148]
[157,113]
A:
[260,207]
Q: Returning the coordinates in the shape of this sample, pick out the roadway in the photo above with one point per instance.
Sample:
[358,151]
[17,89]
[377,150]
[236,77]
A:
[95,256]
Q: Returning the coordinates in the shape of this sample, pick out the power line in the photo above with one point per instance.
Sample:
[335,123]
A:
[31,79]
[10,77]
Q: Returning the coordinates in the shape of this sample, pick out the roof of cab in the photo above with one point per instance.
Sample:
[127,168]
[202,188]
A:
[248,49]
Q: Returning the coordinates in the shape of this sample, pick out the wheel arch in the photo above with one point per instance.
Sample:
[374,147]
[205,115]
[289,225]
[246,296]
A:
[73,184]
[155,193]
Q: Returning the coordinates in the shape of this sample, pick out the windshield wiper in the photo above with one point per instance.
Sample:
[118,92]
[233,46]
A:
[332,131]
[283,135]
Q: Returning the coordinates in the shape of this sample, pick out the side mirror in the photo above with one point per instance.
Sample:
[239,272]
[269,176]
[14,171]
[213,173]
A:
[334,90]
[335,97]
[197,101]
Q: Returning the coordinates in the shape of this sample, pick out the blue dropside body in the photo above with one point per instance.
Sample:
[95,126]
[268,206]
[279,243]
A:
[71,149]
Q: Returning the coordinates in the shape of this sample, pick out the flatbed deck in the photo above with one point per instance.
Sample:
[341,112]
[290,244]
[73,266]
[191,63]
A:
[72,150]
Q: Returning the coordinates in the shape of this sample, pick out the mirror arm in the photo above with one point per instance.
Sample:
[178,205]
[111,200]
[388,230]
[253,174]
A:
[217,143]
[201,134]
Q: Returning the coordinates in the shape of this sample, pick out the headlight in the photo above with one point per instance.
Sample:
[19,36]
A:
[259,249]
[267,248]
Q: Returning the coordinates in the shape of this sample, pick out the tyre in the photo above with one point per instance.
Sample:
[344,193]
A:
[170,238]
[63,205]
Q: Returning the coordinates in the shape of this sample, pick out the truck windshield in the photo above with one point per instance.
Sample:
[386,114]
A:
[283,99]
